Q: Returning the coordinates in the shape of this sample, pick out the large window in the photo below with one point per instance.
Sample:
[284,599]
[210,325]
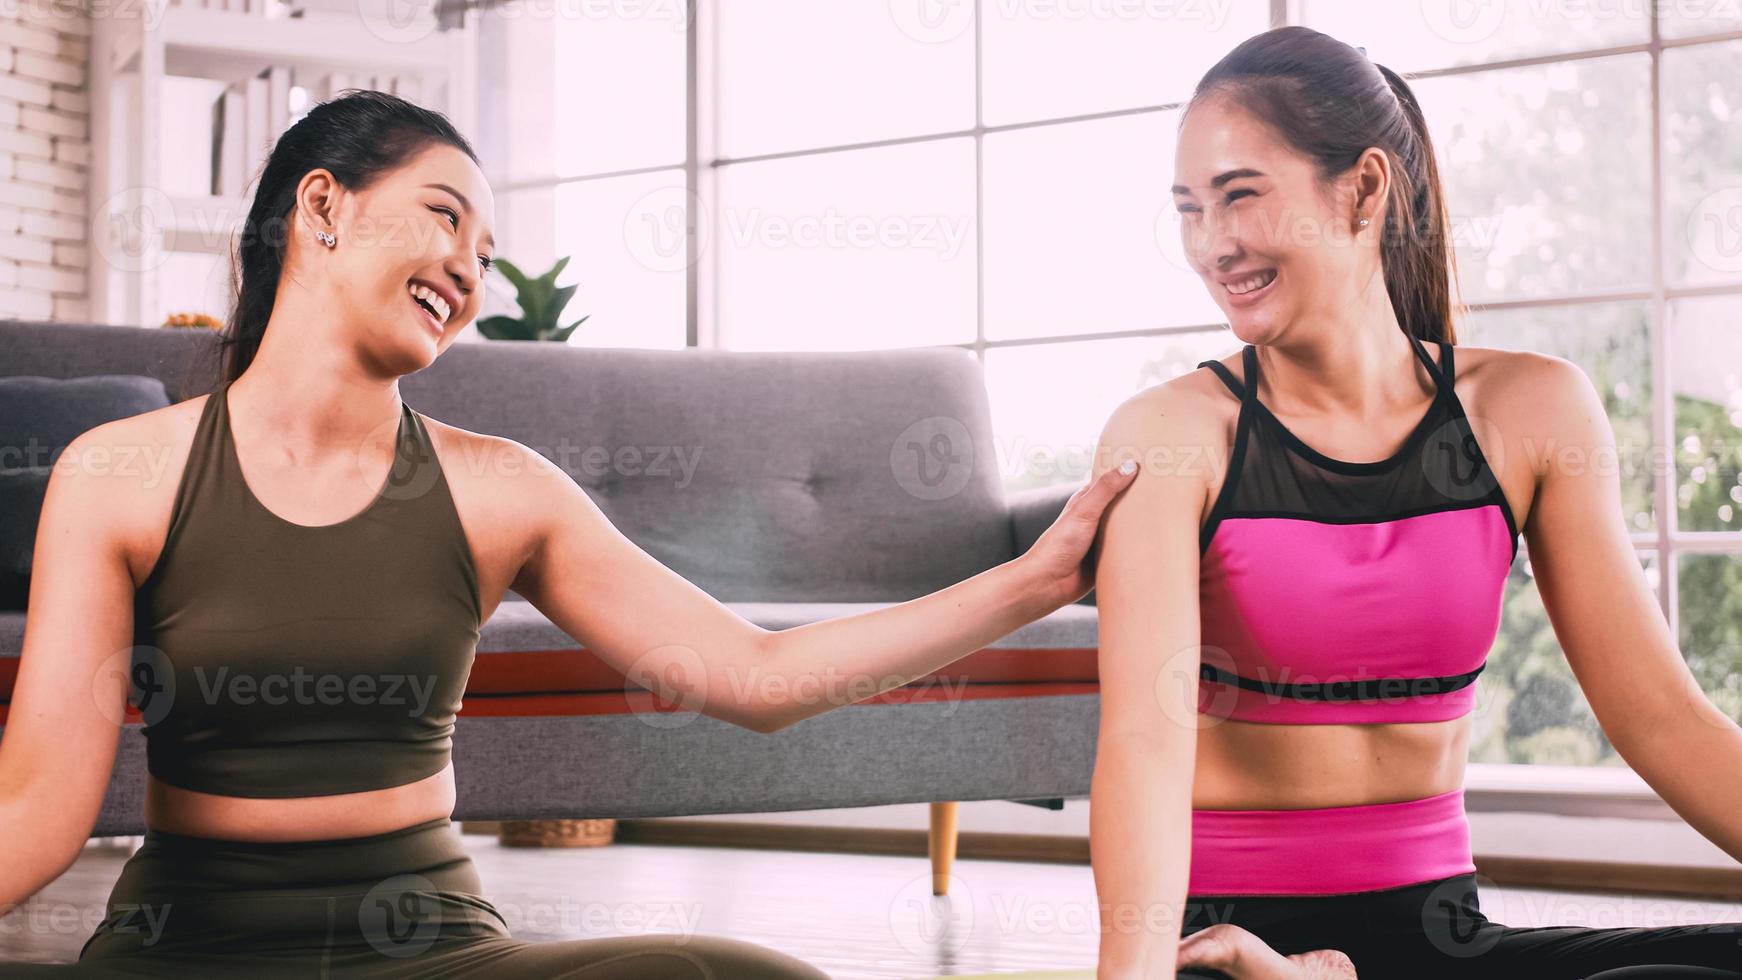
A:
[859,174]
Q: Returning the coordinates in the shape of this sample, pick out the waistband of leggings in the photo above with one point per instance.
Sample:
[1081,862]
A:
[169,863]
[1330,850]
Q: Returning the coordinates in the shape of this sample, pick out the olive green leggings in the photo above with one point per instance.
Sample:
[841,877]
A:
[406,903]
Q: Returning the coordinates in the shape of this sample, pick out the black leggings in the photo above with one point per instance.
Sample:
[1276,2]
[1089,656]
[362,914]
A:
[1436,929]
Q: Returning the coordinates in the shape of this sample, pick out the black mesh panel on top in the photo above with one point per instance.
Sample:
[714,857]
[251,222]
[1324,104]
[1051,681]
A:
[1272,473]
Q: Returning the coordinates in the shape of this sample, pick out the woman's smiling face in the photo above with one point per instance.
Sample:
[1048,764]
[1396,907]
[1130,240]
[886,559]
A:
[1270,241]
[411,253]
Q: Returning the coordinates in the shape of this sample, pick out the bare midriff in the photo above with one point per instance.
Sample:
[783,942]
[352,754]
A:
[1252,766]
[184,811]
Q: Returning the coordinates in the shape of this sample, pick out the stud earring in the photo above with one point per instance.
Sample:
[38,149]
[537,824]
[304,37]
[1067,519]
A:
[328,238]
[1362,222]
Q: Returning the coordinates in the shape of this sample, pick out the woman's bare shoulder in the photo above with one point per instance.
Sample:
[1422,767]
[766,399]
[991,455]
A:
[122,474]
[1193,408]
[1528,393]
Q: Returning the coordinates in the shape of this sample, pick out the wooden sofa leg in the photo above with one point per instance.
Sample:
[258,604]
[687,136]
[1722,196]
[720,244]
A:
[941,845]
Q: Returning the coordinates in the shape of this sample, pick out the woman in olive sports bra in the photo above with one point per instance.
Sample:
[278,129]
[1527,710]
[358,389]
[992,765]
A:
[299,664]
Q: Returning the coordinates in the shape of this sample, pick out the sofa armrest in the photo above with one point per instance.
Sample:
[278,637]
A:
[1033,511]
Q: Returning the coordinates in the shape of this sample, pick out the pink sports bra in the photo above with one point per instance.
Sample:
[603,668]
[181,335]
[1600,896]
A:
[1333,592]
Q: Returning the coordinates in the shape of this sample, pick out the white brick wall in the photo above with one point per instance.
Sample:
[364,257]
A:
[45,133]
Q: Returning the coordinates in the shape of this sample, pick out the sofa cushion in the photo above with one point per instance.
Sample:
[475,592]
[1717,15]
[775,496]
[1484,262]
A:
[21,494]
[39,417]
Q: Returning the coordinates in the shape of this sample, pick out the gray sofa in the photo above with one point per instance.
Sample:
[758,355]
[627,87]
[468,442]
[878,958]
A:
[794,487]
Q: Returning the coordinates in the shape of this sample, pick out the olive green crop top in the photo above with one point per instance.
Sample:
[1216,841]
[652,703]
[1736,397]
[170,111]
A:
[275,659]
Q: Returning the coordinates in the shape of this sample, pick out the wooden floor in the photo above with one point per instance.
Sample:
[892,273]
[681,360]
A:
[854,916]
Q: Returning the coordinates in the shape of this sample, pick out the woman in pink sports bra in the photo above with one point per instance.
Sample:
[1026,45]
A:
[1298,593]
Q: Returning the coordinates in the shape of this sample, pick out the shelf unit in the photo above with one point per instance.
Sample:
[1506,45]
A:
[137,220]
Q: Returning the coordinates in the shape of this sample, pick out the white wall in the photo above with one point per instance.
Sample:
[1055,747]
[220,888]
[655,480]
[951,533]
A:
[44,158]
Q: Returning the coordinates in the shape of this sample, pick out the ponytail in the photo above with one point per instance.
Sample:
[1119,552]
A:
[1415,249]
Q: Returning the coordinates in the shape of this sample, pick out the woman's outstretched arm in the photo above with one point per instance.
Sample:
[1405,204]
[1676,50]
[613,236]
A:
[1604,614]
[668,635]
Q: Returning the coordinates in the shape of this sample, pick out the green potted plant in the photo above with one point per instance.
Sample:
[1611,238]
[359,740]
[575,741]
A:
[541,305]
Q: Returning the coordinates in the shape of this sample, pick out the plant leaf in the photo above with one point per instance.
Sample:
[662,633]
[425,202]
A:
[559,299]
[502,328]
[564,333]
[510,272]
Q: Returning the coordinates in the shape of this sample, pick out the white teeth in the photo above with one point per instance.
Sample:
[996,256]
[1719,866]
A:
[1247,285]
[433,298]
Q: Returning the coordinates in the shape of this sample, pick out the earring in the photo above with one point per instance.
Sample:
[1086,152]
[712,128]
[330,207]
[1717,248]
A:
[1362,222]
[328,238]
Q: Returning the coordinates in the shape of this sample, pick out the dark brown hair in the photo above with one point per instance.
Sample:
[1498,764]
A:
[1330,103]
